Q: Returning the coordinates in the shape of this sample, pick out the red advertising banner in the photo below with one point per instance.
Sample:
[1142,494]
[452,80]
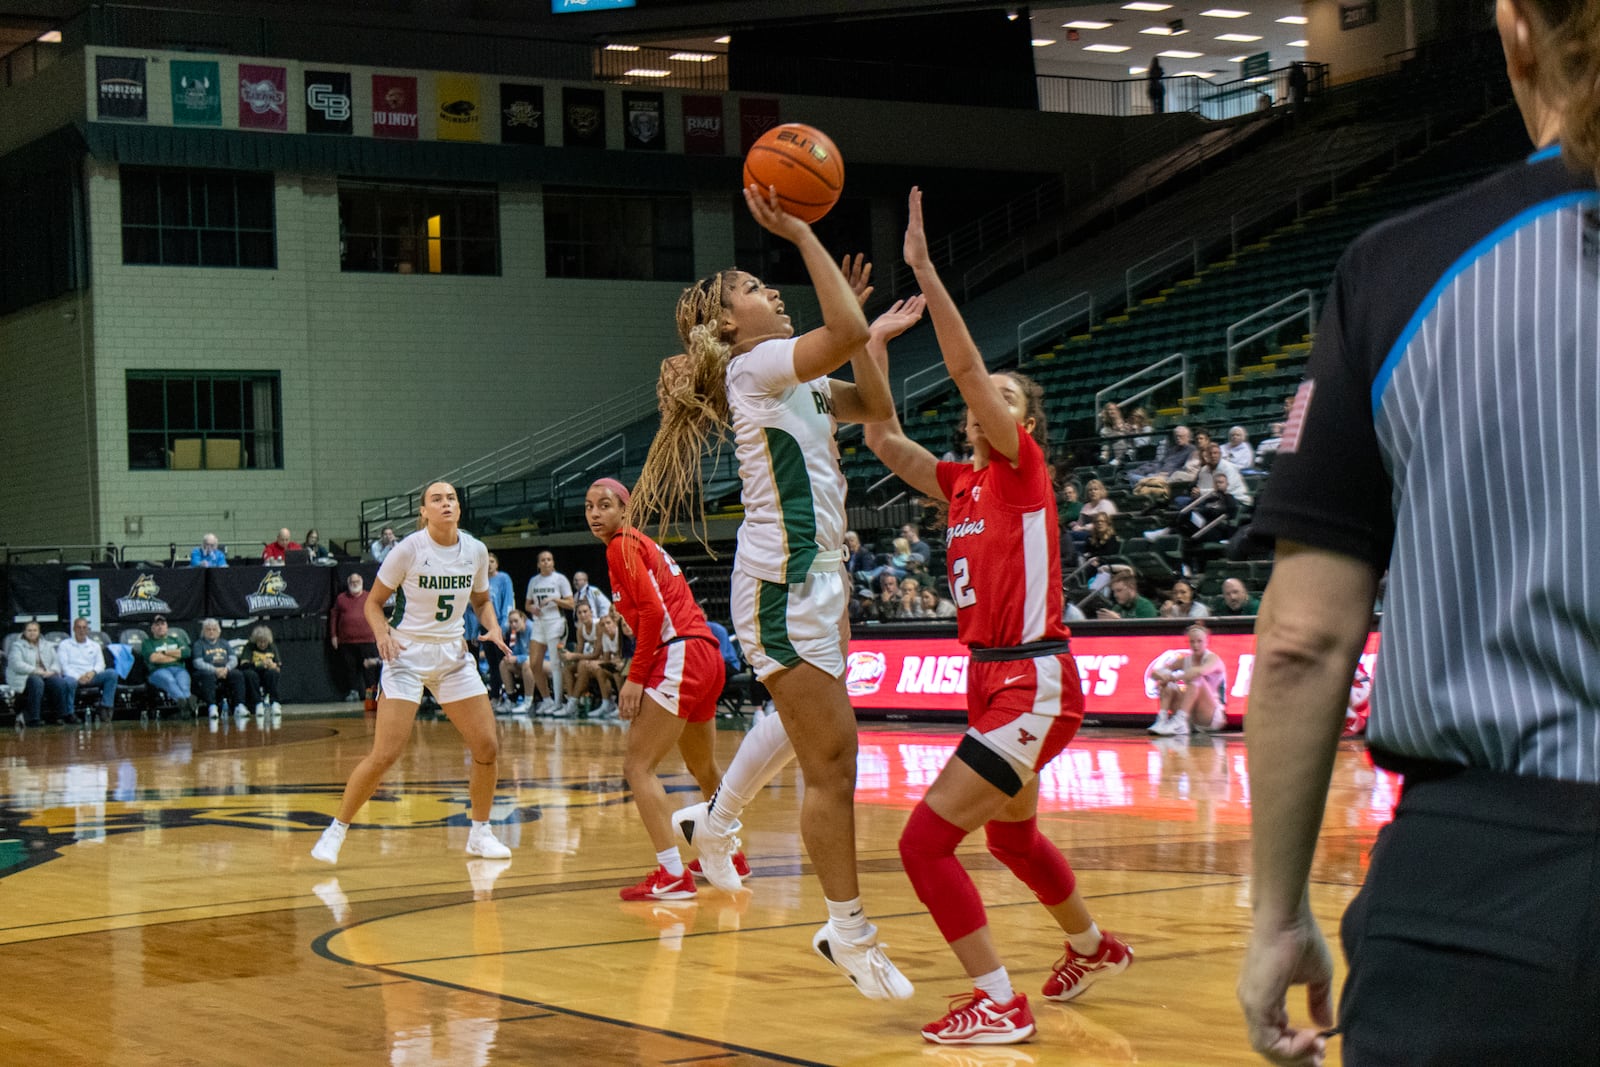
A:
[702,125]
[394,107]
[929,675]
[262,92]
[757,115]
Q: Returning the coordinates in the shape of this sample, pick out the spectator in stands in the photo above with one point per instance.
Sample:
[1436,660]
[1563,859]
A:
[216,669]
[208,553]
[503,597]
[32,672]
[1153,476]
[1238,451]
[1187,476]
[82,662]
[578,663]
[935,606]
[1139,424]
[352,637]
[616,655]
[1068,506]
[861,563]
[1212,467]
[514,670]
[1236,599]
[316,551]
[900,561]
[888,604]
[1102,540]
[261,658]
[1217,507]
[1155,88]
[911,599]
[584,593]
[919,548]
[1113,430]
[1181,602]
[1299,82]
[960,450]
[385,543]
[275,552]
[1267,450]
[166,659]
[1099,503]
[1126,603]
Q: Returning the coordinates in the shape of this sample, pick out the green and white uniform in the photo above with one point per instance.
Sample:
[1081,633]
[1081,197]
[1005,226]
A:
[789,594]
[433,586]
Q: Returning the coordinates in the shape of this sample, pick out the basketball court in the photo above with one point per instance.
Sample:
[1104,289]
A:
[161,907]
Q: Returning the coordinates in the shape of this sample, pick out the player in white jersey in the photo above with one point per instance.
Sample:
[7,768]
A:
[744,369]
[436,575]
[549,594]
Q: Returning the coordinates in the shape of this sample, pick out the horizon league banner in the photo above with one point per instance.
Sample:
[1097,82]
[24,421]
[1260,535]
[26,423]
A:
[252,592]
[120,87]
[930,674]
[132,596]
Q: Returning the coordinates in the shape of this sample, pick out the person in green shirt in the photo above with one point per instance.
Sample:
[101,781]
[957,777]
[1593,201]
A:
[1068,506]
[1236,599]
[1126,601]
[166,658]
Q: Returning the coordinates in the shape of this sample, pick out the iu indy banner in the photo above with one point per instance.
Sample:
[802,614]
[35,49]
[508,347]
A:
[120,88]
[394,107]
[263,97]
[521,114]
[328,102]
[255,592]
[460,116]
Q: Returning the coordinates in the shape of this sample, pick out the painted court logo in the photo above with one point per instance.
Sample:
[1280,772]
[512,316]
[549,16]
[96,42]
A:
[864,673]
[144,598]
[272,595]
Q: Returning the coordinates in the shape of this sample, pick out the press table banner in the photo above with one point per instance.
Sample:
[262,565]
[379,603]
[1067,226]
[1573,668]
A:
[132,596]
[249,592]
[929,674]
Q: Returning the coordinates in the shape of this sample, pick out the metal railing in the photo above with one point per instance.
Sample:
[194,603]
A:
[907,394]
[996,227]
[1052,319]
[613,447]
[1190,92]
[1156,266]
[1181,376]
[1308,310]
[66,553]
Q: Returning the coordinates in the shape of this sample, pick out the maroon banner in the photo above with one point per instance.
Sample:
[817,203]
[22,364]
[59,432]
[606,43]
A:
[757,115]
[263,96]
[702,125]
[929,674]
[394,107]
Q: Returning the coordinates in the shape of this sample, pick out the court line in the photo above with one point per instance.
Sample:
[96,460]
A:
[700,1059]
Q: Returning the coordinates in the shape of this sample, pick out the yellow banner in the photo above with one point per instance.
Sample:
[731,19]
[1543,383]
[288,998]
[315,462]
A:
[460,107]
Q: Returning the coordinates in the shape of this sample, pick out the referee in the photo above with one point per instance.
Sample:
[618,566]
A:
[1459,352]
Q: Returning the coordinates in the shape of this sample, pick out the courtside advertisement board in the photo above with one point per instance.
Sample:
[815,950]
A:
[925,678]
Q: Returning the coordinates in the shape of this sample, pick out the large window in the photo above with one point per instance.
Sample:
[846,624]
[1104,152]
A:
[400,228]
[197,218]
[607,233]
[223,420]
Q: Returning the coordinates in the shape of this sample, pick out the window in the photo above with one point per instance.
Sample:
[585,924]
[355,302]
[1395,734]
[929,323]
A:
[197,218]
[401,228]
[608,233]
[223,420]
[845,229]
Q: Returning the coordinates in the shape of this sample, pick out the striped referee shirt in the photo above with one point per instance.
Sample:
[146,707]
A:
[1449,430]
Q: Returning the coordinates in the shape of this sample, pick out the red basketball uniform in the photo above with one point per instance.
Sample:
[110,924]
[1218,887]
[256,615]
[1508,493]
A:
[1004,557]
[649,590]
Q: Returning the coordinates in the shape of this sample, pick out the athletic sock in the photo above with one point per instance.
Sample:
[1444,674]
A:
[997,983]
[340,825]
[928,853]
[1086,943]
[671,861]
[480,824]
[848,917]
[764,752]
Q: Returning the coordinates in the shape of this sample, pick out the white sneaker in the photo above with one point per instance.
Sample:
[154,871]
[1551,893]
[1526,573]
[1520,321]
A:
[864,961]
[563,710]
[545,707]
[1163,717]
[277,708]
[521,707]
[327,847]
[608,709]
[243,710]
[261,710]
[693,827]
[330,894]
[214,712]
[1176,726]
[482,842]
[483,874]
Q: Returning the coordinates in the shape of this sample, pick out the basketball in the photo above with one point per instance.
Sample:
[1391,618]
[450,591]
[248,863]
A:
[802,164]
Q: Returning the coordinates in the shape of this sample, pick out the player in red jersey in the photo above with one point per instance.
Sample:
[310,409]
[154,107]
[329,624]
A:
[1024,700]
[671,692]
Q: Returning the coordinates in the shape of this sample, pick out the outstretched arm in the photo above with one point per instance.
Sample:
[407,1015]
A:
[961,355]
[867,399]
[910,462]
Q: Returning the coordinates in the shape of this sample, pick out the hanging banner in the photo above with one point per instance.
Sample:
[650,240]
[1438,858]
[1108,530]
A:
[757,115]
[702,125]
[460,116]
[583,114]
[394,107]
[642,125]
[263,96]
[132,596]
[328,102]
[196,93]
[254,592]
[83,601]
[120,88]
[35,589]
[521,114]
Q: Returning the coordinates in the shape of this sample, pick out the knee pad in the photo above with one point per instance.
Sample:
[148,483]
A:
[928,851]
[1033,858]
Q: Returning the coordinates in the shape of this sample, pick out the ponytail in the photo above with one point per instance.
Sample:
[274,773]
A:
[1574,77]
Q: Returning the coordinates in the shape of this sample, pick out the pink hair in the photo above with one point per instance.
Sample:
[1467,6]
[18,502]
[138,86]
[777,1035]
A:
[619,490]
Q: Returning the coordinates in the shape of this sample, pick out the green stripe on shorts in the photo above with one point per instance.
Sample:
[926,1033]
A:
[772,623]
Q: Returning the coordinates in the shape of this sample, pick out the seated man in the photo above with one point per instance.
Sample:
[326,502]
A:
[1236,599]
[216,668]
[1126,603]
[1174,457]
[208,553]
[383,545]
[166,658]
[1238,451]
[31,671]
[82,661]
[273,555]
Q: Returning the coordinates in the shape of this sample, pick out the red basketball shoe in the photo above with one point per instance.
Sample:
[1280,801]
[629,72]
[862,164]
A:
[659,885]
[1074,973]
[975,1019]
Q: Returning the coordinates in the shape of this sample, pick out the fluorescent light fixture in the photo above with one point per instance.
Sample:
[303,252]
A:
[1159,31]
[1178,53]
[692,57]
[1238,37]
[1106,47]
[724,39]
[1224,13]
[622,48]
[1298,44]
[54,37]
[1043,42]
[1294,20]
[1237,59]
[1144,5]
[646,72]
[1085,24]
[1138,70]
[1195,74]
[1257,78]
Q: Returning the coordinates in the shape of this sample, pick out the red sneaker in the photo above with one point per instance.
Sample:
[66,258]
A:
[741,866]
[1073,973]
[659,885]
[975,1019]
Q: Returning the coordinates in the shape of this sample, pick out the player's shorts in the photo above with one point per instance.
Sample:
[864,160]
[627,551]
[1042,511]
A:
[687,678]
[547,632]
[781,626]
[444,668]
[1024,710]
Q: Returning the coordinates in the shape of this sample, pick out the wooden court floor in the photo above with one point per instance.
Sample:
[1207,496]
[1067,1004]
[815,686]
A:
[159,905]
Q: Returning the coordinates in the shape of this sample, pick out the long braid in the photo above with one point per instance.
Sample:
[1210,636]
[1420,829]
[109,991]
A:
[692,392]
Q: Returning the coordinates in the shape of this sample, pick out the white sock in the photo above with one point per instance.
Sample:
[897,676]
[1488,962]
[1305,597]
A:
[671,861]
[1086,943]
[764,752]
[484,826]
[997,983]
[848,917]
[340,825]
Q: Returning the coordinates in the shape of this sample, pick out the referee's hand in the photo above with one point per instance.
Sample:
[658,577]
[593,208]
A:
[1276,959]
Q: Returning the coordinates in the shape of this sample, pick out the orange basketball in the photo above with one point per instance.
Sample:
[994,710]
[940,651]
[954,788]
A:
[802,164]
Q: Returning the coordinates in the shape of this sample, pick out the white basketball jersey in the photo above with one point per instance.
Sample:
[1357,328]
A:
[544,590]
[434,584]
[788,461]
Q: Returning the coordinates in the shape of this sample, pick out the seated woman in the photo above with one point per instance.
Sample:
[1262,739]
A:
[1103,539]
[1098,502]
[260,658]
[514,669]
[216,669]
[1194,689]
[616,656]
[579,673]
[316,551]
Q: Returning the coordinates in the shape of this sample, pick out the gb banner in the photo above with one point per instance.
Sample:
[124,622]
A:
[328,102]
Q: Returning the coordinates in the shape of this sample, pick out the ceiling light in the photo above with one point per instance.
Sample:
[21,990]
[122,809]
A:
[1294,20]
[1298,44]
[1238,37]
[1195,74]
[622,48]
[692,57]
[51,37]
[1258,78]
[1159,31]
[1143,5]
[1175,53]
[646,72]
[724,39]
[1237,59]
[1224,13]
[1043,42]
[1085,24]
[1106,47]
[1138,70]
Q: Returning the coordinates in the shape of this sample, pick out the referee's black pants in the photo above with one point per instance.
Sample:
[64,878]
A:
[1476,939]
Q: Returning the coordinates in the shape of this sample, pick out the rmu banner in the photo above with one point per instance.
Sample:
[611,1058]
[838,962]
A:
[252,592]
[702,125]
